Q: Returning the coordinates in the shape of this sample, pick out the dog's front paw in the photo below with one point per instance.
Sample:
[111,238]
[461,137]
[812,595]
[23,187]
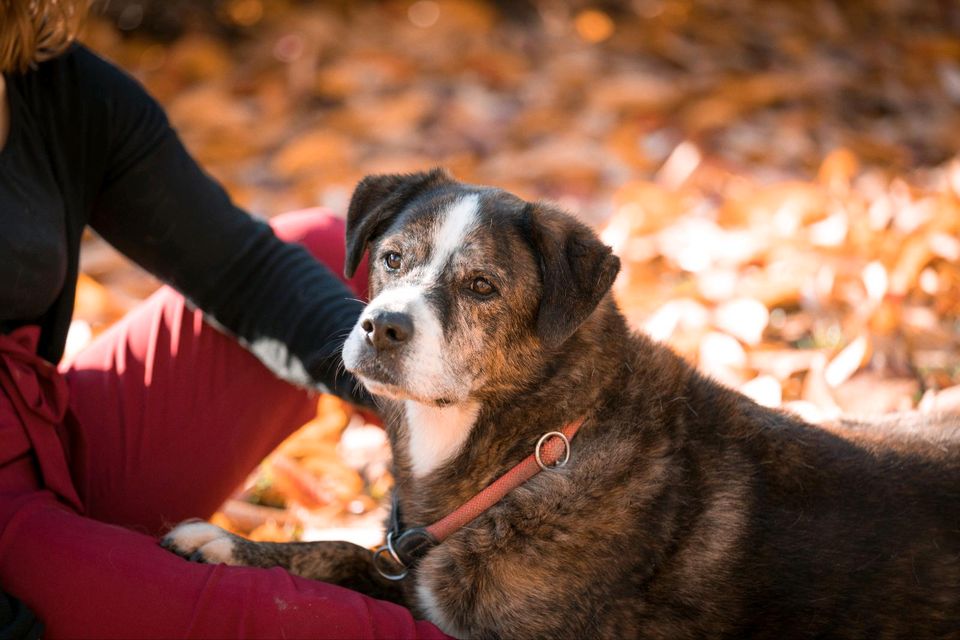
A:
[201,542]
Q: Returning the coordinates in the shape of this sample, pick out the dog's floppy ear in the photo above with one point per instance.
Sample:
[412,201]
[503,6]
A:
[376,201]
[577,268]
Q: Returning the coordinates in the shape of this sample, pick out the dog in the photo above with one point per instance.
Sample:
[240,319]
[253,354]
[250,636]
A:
[684,509]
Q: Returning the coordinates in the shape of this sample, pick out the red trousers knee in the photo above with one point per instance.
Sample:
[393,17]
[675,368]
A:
[165,417]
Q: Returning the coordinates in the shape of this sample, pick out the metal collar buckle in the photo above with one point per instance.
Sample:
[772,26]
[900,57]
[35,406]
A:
[405,548]
[378,560]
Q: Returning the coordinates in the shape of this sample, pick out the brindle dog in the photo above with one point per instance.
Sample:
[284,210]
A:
[686,510]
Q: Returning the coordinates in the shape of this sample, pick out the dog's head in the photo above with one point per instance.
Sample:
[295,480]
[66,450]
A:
[471,287]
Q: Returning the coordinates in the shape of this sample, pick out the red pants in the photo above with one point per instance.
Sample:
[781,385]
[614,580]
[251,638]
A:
[165,418]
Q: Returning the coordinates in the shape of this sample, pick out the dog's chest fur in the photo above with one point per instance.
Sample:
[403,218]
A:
[435,434]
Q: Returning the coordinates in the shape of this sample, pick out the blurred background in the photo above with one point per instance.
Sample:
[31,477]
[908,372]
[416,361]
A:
[780,178]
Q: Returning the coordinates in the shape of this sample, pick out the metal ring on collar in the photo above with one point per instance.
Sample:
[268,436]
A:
[393,554]
[566,450]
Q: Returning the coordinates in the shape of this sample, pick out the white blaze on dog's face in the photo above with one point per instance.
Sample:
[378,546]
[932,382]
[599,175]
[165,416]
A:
[413,353]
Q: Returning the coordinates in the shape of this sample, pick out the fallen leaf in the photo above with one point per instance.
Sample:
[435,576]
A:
[847,362]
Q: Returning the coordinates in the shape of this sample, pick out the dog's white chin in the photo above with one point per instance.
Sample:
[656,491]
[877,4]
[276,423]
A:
[394,392]
[385,390]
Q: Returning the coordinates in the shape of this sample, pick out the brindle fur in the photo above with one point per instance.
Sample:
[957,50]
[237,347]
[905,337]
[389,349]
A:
[686,511]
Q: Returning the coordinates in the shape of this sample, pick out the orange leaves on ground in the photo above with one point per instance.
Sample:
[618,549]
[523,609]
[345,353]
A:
[812,295]
[331,472]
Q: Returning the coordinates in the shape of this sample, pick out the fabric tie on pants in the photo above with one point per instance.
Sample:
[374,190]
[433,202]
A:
[39,396]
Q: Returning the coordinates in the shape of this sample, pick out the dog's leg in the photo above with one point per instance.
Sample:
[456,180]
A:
[341,563]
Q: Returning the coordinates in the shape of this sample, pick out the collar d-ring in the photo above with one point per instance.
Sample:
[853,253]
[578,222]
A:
[554,463]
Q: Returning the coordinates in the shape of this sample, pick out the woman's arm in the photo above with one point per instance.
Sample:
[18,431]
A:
[160,209]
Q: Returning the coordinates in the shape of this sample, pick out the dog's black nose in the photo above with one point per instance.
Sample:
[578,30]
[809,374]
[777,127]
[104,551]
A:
[387,329]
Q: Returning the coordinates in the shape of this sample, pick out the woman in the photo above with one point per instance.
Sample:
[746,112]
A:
[164,414]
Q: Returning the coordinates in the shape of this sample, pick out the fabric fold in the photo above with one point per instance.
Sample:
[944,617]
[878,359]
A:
[39,395]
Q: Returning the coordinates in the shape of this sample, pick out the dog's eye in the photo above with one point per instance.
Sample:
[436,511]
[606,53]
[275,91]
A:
[482,287]
[392,261]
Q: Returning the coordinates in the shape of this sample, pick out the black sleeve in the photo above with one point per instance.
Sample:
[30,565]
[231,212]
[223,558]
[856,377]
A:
[17,621]
[160,209]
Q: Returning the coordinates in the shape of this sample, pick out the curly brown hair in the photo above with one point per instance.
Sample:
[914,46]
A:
[35,30]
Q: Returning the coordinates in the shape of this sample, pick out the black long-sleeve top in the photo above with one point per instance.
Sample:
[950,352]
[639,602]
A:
[88,145]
